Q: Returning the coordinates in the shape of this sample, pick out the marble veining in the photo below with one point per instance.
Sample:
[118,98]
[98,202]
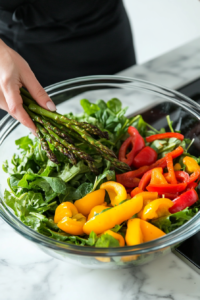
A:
[26,273]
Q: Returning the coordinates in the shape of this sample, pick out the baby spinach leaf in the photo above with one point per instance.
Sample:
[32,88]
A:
[89,108]
[114,105]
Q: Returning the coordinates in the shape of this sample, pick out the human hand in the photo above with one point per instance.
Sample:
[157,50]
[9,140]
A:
[15,73]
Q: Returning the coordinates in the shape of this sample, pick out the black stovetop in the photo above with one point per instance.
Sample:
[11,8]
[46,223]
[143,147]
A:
[188,251]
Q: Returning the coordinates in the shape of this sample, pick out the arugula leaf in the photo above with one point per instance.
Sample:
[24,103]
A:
[108,174]
[173,221]
[24,143]
[70,172]
[106,240]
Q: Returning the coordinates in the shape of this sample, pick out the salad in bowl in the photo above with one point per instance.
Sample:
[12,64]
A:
[101,180]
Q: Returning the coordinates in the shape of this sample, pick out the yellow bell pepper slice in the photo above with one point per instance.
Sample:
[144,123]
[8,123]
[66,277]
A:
[116,191]
[65,209]
[140,231]
[177,167]
[96,210]
[148,197]
[85,204]
[150,232]
[191,164]
[156,209]
[68,219]
[113,216]
[133,233]
[73,225]
[117,236]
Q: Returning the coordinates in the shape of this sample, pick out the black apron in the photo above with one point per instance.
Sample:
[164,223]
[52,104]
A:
[62,39]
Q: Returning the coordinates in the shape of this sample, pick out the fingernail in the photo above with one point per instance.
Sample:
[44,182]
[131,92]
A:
[33,131]
[51,106]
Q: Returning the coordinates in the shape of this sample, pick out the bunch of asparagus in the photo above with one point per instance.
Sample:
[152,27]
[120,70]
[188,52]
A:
[61,131]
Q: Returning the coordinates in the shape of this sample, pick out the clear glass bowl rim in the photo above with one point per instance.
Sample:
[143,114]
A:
[170,239]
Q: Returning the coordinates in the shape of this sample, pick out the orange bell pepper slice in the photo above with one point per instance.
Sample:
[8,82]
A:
[85,204]
[136,191]
[156,209]
[147,177]
[157,177]
[170,167]
[116,191]
[113,216]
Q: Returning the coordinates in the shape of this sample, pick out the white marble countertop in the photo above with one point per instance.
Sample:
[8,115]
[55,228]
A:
[26,273]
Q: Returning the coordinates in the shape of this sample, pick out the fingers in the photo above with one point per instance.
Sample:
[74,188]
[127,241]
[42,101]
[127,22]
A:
[14,105]
[36,90]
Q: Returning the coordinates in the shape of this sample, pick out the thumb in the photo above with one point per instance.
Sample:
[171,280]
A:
[36,90]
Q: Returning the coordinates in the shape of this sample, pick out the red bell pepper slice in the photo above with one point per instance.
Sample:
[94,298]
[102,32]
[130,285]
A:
[162,163]
[167,135]
[170,196]
[139,143]
[167,188]
[127,158]
[136,142]
[184,200]
[136,191]
[194,176]
[145,157]
[192,185]
[146,179]
[170,167]
[126,178]
[181,176]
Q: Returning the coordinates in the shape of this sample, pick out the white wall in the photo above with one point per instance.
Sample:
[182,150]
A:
[162,25]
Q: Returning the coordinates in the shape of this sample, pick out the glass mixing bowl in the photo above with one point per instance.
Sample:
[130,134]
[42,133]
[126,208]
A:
[154,103]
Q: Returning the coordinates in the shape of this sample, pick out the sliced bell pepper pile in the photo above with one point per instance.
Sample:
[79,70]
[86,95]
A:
[139,197]
[127,178]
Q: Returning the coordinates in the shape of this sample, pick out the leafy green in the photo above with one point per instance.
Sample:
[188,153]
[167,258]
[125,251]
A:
[89,108]
[174,221]
[106,240]
[114,105]
[24,143]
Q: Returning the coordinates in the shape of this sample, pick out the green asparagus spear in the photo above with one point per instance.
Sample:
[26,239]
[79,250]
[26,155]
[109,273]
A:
[45,146]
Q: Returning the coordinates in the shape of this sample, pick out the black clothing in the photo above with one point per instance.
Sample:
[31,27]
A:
[62,39]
